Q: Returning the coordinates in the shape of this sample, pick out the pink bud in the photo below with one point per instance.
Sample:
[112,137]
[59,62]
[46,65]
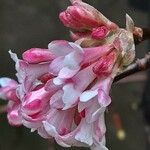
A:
[33,105]
[77,17]
[37,55]
[100,32]
[82,16]
[105,65]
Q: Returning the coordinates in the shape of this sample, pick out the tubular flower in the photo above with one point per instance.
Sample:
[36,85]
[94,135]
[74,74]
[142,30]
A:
[63,91]
[86,21]
[68,83]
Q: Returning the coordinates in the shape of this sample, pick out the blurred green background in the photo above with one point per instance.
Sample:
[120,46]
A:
[34,23]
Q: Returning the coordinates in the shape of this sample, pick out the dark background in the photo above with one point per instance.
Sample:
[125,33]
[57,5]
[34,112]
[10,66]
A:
[25,24]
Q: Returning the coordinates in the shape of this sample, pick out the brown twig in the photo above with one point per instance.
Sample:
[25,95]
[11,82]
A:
[139,65]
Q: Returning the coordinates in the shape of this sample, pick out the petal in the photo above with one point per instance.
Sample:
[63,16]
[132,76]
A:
[87,95]
[92,54]
[50,129]
[50,86]
[73,60]
[7,88]
[13,115]
[61,142]
[85,133]
[94,111]
[7,82]
[76,47]
[103,98]
[37,55]
[99,147]
[83,78]
[28,73]
[60,48]
[83,105]
[43,133]
[36,101]
[56,65]
[66,73]
[56,100]
[70,99]
[58,81]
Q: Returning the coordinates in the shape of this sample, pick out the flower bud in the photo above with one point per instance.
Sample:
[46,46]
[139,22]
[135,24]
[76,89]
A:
[37,55]
[100,32]
[82,16]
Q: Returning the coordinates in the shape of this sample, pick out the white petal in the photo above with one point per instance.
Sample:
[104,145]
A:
[5,81]
[56,65]
[60,48]
[13,56]
[61,142]
[56,100]
[73,60]
[51,130]
[99,147]
[76,47]
[70,96]
[58,81]
[67,73]
[85,133]
[87,95]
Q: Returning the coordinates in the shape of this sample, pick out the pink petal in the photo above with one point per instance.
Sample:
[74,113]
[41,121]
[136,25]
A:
[100,33]
[50,129]
[92,54]
[70,99]
[35,101]
[13,116]
[88,95]
[85,133]
[103,98]
[37,55]
[66,73]
[83,78]
[60,48]
[56,100]
[50,86]
[7,89]
[56,65]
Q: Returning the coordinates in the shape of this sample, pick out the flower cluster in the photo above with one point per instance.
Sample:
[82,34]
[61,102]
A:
[62,92]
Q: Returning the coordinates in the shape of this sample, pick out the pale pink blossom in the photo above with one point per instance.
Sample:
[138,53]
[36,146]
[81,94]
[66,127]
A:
[62,88]
[63,91]
[87,21]
[8,92]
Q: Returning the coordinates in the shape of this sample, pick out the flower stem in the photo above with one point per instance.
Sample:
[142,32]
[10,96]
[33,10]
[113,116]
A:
[139,65]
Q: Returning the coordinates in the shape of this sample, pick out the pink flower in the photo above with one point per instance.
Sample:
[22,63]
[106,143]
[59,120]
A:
[8,92]
[63,91]
[83,16]
[87,21]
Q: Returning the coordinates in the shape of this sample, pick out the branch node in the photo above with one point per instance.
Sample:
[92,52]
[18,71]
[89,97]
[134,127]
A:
[140,64]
